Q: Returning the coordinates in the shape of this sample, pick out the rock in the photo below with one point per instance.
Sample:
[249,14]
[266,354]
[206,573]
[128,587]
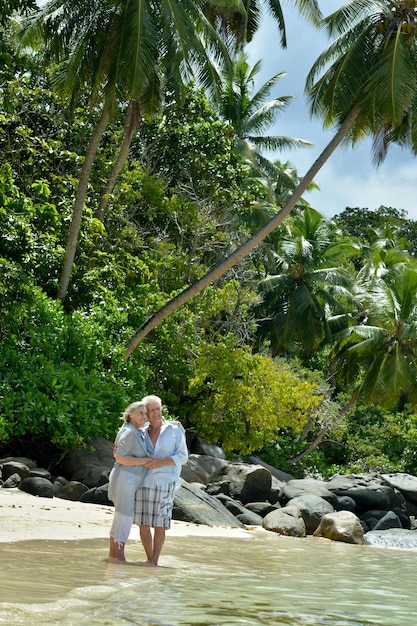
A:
[89,465]
[36,486]
[242,482]
[262,508]
[31,464]
[312,509]
[249,518]
[41,472]
[13,481]
[199,468]
[341,526]
[403,517]
[390,520]
[72,490]
[197,445]
[369,491]
[302,486]
[405,483]
[286,521]
[283,477]
[15,467]
[345,503]
[194,505]
[97,495]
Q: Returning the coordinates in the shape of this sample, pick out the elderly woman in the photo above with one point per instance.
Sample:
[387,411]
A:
[125,480]
[167,451]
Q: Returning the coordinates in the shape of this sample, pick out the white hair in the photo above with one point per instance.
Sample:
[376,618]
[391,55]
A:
[131,409]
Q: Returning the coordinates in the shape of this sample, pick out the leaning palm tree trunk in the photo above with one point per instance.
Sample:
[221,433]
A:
[80,197]
[313,445]
[249,245]
[131,126]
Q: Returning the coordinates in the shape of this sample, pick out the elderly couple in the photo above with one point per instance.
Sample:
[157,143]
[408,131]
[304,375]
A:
[145,477]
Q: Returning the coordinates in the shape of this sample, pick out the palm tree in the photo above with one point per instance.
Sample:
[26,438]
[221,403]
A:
[122,50]
[368,87]
[250,114]
[306,286]
[376,356]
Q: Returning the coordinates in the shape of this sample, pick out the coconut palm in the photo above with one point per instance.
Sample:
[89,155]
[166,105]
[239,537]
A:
[306,286]
[250,114]
[367,87]
[122,50]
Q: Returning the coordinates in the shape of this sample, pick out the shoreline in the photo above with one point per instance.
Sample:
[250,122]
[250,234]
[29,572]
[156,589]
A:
[25,517]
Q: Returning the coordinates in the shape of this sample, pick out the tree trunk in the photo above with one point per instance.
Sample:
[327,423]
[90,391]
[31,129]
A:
[323,431]
[80,197]
[249,245]
[132,122]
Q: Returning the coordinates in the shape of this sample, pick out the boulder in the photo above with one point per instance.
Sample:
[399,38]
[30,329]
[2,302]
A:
[262,508]
[72,490]
[312,509]
[241,482]
[302,486]
[199,468]
[286,521]
[404,483]
[342,526]
[369,491]
[97,495]
[36,486]
[194,505]
[13,481]
[15,467]
[89,465]
[390,520]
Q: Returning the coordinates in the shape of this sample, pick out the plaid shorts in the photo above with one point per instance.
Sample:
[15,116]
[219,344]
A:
[153,506]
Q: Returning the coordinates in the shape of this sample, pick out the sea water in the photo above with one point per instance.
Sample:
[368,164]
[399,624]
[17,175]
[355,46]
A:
[266,579]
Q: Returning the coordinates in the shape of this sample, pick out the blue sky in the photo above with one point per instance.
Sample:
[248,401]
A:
[349,178]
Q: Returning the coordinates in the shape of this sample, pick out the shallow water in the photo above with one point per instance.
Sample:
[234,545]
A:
[206,581]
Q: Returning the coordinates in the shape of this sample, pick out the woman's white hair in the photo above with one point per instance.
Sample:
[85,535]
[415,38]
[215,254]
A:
[131,409]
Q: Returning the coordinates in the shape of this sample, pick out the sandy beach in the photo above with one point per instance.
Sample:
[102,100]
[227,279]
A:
[24,517]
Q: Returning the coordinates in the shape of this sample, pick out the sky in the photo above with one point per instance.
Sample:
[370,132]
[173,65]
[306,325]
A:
[349,178]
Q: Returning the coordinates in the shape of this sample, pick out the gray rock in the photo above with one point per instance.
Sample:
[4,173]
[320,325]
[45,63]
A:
[19,459]
[41,487]
[369,491]
[13,481]
[199,468]
[390,520]
[249,518]
[345,503]
[194,505]
[73,490]
[341,526]
[303,486]
[312,509]
[98,454]
[15,467]
[286,521]
[283,477]
[97,495]
[41,472]
[241,482]
[262,508]
[405,483]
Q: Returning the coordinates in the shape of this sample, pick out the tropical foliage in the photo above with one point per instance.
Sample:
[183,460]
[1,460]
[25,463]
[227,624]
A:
[303,351]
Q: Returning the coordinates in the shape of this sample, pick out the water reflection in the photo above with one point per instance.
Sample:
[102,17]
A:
[204,581]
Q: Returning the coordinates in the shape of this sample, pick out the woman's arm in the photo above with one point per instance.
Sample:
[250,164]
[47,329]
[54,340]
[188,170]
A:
[130,461]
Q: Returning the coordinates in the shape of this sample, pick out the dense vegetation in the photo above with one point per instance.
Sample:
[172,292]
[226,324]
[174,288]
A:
[303,353]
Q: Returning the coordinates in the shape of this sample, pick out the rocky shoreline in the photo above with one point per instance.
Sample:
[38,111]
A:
[373,509]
